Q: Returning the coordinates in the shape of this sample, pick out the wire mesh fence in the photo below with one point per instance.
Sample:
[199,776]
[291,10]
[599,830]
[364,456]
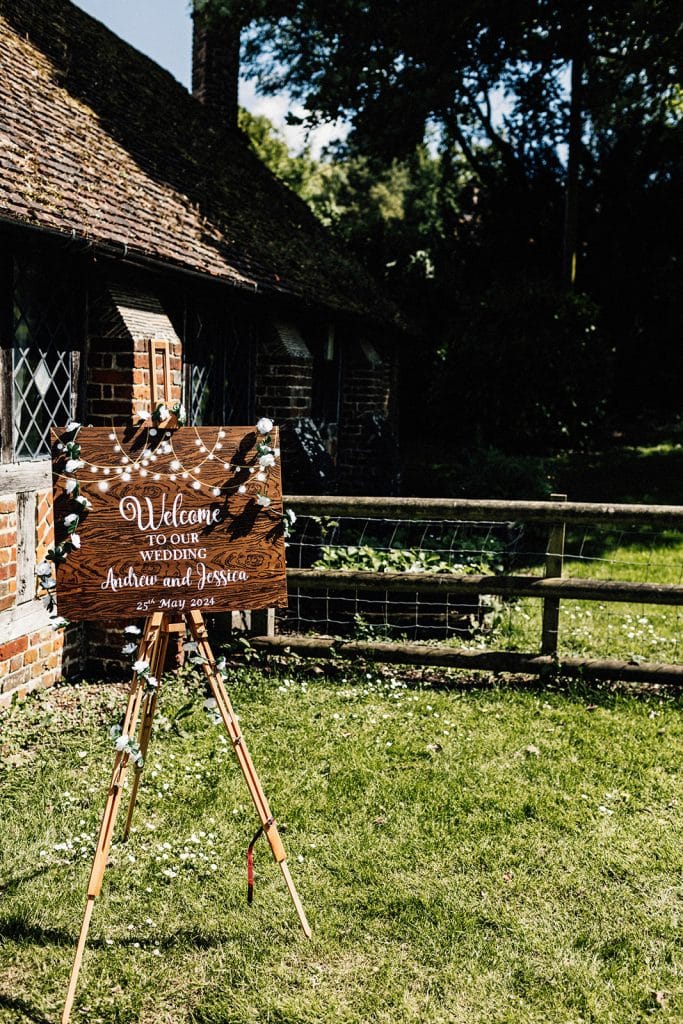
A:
[593,629]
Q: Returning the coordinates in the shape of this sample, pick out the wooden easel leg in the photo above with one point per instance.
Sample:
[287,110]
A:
[73,981]
[135,696]
[148,712]
[199,634]
[157,660]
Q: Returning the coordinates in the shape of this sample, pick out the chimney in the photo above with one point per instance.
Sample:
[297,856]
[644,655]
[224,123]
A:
[216,67]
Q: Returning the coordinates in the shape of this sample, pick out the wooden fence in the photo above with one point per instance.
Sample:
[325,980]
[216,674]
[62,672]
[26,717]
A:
[551,588]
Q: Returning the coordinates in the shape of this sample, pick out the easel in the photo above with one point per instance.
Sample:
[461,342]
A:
[140,710]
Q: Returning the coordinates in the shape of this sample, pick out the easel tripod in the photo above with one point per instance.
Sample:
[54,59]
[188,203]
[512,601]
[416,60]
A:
[138,719]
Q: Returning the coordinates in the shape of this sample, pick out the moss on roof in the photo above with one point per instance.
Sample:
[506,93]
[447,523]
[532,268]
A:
[97,139]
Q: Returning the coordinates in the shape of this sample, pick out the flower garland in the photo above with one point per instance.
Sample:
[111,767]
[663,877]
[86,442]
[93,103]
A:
[141,667]
[157,444]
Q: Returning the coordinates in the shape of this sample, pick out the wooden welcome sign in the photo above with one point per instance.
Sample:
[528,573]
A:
[155,520]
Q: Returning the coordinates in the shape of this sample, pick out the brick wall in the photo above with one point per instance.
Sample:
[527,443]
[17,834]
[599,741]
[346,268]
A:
[284,388]
[35,655]
[367,460]
[119,378]
[8,551]
[118,386]
[367,445]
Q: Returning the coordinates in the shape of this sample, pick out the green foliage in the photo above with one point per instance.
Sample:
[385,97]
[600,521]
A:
[541,353]
[485,472]
[311,179]
[454,196]
[369,559]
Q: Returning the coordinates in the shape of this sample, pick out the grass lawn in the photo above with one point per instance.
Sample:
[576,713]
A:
[651,474]
[630,632]
[465,853]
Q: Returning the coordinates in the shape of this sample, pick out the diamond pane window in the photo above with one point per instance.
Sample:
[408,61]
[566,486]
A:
[220,352]
[48,319]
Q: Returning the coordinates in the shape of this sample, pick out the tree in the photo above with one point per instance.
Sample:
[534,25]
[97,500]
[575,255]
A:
[499,141]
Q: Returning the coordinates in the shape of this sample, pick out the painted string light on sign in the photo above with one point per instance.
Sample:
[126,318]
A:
[159,443]
[204,500]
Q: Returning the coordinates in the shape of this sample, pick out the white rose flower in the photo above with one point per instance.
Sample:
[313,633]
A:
[73,464]
[266,460]
[264,425]
[70,520]
[263,500]
[140,666]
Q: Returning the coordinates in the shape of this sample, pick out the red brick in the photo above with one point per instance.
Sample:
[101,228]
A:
[13,647]
[14,679]
[114,407]
[8,505]
[110,376]
[8,556]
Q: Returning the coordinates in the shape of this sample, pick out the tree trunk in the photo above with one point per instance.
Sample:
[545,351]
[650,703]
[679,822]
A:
[571,209]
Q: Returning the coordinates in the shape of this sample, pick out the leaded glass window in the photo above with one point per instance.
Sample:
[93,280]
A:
[48,321]
[220,349]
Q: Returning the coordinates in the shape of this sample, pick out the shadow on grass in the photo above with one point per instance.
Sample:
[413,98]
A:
[452,680]
[27,1011]
[10,886]
[630,474]
[22,932]
[581,691]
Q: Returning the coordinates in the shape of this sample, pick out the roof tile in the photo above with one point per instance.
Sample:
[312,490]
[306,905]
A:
[97,139]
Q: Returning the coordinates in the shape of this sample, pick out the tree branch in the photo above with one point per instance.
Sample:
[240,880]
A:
[473,160]
[501,145]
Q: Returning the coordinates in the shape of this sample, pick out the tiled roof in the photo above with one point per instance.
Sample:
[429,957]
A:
[98,140]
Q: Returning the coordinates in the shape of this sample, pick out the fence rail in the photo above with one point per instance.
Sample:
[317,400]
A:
[573,513]
[441,656]
[506,586]
[550,588]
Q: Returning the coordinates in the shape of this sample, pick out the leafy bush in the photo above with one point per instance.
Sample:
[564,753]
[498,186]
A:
[484,473]
[528,371]
[369,559]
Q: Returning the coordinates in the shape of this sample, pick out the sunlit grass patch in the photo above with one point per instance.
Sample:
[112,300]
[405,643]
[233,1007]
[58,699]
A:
[464,853]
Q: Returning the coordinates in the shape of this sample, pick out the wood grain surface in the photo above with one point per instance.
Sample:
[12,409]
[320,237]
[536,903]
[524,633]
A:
[159,537]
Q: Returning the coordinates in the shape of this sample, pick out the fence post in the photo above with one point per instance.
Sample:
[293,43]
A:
[263,622]
[553,567]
